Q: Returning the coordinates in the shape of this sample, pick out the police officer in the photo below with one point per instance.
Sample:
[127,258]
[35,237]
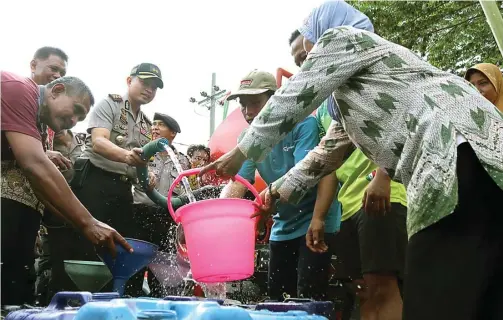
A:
[162,173]
[106,170]
[156,225]
[162,169]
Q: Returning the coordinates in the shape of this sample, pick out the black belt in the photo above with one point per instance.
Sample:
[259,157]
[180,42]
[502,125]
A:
[116,176]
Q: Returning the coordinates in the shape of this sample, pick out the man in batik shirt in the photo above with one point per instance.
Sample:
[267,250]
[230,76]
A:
[427,129]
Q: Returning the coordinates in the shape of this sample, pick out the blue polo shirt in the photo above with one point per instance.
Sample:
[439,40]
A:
[292,221]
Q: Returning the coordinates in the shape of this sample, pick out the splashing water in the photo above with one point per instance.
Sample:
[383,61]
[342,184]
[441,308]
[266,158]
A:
[185,181]
[214,290]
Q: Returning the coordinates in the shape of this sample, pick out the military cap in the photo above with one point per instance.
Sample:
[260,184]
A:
[168,121]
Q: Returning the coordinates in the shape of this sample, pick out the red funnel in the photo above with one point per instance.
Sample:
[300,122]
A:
[127,264]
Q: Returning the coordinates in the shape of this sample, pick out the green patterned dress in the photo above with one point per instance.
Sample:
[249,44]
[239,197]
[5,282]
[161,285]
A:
[406,116]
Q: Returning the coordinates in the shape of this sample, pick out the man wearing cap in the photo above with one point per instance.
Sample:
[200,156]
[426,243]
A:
[106,170]
[162,173]
[162,170]
[294,269]
[156,225]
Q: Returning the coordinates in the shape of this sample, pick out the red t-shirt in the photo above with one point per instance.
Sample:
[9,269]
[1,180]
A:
[19,109]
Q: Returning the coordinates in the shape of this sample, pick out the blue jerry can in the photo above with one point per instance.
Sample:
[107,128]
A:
[289,315]
[57,310]
[323,308]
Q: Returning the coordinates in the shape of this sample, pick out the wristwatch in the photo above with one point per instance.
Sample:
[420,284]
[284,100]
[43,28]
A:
[274,195]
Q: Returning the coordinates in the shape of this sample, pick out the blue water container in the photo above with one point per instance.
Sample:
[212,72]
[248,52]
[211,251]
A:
[105,296]
[57,310]
[105,310]
[157,315]
[181,298]
[324,308]
[289,315]
[132,309]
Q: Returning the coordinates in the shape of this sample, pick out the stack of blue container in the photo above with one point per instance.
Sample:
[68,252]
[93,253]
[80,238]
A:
[108,306]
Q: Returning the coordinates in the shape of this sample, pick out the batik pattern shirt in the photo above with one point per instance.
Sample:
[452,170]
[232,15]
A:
[403,113]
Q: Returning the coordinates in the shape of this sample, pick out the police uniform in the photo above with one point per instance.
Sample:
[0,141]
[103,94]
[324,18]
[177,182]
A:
[163,167]
[72,152]
[157,222]
[103,186]
[165,173]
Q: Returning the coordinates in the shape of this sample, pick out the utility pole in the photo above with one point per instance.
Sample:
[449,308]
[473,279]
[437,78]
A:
[212,106]
[209,102]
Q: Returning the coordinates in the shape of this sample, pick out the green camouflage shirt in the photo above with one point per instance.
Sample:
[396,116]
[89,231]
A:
[403,113]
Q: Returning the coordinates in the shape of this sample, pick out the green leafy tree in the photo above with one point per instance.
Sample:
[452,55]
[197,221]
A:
[452,35]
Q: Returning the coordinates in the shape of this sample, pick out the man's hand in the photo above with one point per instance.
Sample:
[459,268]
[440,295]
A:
[133,158]
[151,181]
[267,209]
[102,235]
[315,236]
[376,199]
[226,166]
[59,160]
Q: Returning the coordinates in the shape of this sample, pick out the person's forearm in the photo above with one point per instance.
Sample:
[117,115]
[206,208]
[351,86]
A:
[107,149]
[55,193]
[381,174]
[327,189]
[322,160]
[233,189]
[53,210]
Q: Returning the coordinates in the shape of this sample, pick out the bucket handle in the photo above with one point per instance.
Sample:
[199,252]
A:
[176,217]
[60,299]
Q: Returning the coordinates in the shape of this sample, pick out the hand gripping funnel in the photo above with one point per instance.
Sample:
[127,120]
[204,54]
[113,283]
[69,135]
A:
[88,275]
[127,264]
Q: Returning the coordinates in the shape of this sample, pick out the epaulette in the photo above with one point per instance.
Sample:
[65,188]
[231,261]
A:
[115,97]
[147,120]
[80,138]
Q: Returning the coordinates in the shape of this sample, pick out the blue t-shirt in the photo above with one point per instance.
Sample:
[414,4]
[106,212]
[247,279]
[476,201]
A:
[292,221]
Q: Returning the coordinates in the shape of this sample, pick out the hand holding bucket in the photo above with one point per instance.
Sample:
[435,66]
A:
[219,233]
[196,171]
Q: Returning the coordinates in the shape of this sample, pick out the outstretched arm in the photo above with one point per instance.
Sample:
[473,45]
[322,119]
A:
[55,193]
[339,54]
[322,160]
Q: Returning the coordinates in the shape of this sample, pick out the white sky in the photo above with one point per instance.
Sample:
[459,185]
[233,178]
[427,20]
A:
[188,40]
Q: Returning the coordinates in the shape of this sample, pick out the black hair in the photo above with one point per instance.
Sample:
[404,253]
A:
[74,87]
[44,53]
[197,147]
[293,36]
[270,93]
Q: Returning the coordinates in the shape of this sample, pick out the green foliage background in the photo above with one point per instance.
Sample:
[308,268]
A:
[452,35]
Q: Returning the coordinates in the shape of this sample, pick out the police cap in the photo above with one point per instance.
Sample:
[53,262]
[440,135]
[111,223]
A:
[148,71]
[168,121]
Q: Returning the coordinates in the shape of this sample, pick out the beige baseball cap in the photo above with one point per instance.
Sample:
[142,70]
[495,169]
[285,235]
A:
[256,82]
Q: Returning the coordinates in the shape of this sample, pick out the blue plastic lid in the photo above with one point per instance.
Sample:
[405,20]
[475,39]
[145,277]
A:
[105,296]
[157,315]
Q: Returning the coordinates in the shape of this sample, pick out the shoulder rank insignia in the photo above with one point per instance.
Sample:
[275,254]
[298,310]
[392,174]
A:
[115,97]
[147,120]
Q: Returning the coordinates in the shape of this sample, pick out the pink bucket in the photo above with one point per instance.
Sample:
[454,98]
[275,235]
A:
[219,233]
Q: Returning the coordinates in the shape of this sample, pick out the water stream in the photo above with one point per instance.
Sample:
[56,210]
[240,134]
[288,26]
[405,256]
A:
[185,181]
